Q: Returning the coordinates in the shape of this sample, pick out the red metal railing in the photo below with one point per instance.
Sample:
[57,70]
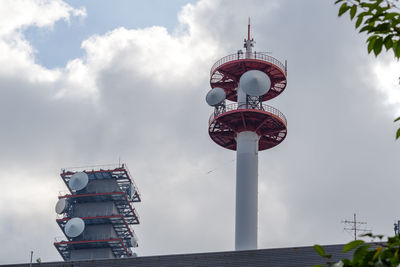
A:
[255,55]
[94,241]
[66,219]
[234,106]
[106,193]
[128,173]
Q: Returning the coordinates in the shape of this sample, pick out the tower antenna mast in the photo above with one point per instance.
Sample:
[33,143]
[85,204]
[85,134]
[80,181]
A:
[248,30]
[246,125]
[354,226]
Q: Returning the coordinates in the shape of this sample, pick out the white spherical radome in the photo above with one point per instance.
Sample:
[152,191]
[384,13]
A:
[74,227]
[255,83]
[78,181]
[215,96]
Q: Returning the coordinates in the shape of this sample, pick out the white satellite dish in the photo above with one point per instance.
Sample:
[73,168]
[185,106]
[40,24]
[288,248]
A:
[133,242]
[74,227]
[215,96]
[78,181]
[61,205]
[255,83]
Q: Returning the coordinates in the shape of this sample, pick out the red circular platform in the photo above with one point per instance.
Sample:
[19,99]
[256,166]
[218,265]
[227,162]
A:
[226,73]
[269,123]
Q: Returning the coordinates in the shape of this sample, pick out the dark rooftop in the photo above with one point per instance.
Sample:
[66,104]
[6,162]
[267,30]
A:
[288,257]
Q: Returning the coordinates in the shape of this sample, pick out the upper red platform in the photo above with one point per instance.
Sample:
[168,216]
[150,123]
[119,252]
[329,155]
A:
[226,72]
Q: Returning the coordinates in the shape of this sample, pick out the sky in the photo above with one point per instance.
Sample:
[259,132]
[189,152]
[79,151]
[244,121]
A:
[90,82]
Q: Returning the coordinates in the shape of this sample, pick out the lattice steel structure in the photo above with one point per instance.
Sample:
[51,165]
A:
[247,126]
[104,202]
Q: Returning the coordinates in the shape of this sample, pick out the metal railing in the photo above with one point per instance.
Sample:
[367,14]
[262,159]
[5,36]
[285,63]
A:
[59,239]
[93,167]
[255,55]
[110,167]
[132,180]
[234,106]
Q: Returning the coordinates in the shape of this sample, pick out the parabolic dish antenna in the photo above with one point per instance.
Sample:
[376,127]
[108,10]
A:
[74,227]
[215,96]
[78,181]
[255,83]
[130,191]
[61,205]
[133,241]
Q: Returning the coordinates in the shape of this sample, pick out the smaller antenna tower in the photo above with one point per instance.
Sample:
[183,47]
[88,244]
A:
[354,227]
[97,214]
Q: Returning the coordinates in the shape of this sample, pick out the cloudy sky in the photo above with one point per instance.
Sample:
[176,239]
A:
[89,82]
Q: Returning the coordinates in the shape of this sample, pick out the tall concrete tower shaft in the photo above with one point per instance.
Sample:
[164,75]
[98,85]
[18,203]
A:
[247,126]
[246,190]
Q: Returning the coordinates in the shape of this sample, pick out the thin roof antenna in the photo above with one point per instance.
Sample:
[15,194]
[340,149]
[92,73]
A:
[248,30]
[30,263]
[248,43]
[397,228]
[354,226]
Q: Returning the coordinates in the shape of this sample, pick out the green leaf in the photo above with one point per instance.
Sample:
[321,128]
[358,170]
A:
[398,134]
[384,27]
[360,253]
[343,8]
[367,234]
[346,262]
[365,13]
[374,17]
[366,5]
[390,15]
[338,1]
[378,46]
[386,254]
[318,265]
[320,250]
[397,119]
[393,241]
[366,28]
[376,5]
[359,21]
[371,41]
[378,251]
[394,23]
[396,49]
[388,42]
[352,245]
[369,256]
[353,11]
[372,37]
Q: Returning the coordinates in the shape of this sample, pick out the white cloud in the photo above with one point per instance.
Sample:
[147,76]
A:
[17,15]
[388,79]
[16,54]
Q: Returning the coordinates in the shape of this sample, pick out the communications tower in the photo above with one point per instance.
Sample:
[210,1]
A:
[246,124]
[97,214]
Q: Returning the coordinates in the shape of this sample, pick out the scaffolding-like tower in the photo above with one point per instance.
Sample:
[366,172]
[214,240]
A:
[247,126]
[97,214]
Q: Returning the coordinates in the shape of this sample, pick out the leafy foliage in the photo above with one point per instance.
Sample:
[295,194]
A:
[367,254]
[380,20]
